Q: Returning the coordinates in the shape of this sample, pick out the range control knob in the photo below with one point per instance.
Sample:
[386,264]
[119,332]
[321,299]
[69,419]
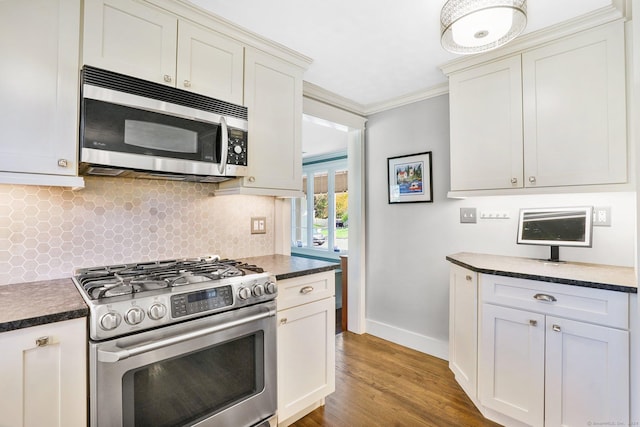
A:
[258,290]
[237,149]
[110,321]
[271,288]
[157,311]
[244,293]
[134,316]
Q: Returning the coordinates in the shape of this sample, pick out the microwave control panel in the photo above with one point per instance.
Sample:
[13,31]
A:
[237,153]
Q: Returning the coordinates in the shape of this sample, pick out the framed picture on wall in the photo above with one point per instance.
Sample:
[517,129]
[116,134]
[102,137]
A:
[410,178]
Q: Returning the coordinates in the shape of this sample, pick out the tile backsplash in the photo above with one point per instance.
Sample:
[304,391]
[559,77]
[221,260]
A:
[47,232]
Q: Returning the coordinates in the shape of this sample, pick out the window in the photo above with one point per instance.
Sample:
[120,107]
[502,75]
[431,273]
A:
[320,221]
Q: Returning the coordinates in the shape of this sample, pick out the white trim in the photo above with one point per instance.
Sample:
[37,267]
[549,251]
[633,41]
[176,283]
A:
[75,182]
[320,95]
[413,340]
[441,89]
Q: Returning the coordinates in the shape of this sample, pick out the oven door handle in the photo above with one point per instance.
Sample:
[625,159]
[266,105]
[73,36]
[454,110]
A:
[125,353]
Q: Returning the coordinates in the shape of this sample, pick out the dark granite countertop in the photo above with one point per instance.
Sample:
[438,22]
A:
[286,267]
[599,276]
[36,303]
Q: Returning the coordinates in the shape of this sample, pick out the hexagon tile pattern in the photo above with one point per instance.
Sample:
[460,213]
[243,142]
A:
[47,232]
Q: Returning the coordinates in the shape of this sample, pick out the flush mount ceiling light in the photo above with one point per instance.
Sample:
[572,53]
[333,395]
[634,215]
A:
[474,26]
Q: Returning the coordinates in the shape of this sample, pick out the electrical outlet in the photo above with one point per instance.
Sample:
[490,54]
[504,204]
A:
[602,216]
[468,215]
[258,225]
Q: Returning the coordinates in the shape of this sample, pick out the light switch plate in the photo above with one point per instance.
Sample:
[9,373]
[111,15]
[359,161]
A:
[468,215]
[258,225]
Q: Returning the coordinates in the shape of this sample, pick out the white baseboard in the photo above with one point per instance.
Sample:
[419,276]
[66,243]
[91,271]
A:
[409,339]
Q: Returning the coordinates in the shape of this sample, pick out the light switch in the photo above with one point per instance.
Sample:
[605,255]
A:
[468,215]
[258,225]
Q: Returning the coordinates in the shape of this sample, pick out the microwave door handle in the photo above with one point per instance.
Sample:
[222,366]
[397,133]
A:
[224,146]
[125,353]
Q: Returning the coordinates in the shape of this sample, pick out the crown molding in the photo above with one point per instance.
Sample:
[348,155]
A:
[313,91]
[410,98]
[322,95]
[614,12]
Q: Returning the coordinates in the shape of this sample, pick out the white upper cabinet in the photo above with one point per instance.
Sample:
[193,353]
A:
[486,126]
[40,42]
[131,38]
[551,116]
[574,109]
[209,63]
[144,41]
[273,96]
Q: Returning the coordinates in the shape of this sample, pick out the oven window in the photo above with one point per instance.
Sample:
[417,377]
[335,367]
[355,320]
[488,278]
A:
[190,387]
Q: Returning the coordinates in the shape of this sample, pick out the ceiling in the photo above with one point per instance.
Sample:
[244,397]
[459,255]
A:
[370,51]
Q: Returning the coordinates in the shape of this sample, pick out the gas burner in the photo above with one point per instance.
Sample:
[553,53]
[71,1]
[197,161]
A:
[129,279]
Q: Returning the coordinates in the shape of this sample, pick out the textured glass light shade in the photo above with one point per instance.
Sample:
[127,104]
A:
[474,26]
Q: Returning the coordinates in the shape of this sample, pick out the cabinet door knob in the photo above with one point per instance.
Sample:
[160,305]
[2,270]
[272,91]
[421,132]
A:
[468,277]
[545,298]
[533,322]
[187,83]
[514,180]
[42,341]
[167,78]
[307,289]
[532,179]
[556,328]
[63,163]
[252,179]
[283,321]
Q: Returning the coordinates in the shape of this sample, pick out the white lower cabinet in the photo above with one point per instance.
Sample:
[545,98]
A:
[541,369]
[43,375]
[463,331]
[512,363]
[533,353]
[306,344]
[586,374]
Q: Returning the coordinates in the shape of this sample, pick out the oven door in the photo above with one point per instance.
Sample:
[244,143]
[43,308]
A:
[219,370]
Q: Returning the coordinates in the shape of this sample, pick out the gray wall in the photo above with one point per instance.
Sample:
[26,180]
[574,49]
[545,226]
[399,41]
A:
[407,274]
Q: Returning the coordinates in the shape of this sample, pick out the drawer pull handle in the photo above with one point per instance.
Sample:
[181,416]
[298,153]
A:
[306,290]
[468,277]
[556,328]
[42,341]
[545,297]
[533,322]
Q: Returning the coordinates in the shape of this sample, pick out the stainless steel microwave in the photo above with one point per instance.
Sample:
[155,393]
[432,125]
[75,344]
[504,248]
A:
[136,128]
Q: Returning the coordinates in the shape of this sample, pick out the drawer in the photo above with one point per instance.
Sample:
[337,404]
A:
[305,289]
[591,305]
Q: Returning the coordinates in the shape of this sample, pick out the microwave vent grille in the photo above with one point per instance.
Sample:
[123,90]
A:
[107,79]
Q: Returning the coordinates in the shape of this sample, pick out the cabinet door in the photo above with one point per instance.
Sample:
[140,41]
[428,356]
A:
[587,374]
[463,328]
[486,126]
[575,116]
[209,63]
[131,38]
[306,356]
[40,42]
[511,363]
[273,95]
[44,385]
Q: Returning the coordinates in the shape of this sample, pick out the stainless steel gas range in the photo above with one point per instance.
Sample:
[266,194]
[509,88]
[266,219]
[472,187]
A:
[184,342]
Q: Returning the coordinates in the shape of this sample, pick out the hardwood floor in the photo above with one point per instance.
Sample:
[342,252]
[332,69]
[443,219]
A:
[379,383]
